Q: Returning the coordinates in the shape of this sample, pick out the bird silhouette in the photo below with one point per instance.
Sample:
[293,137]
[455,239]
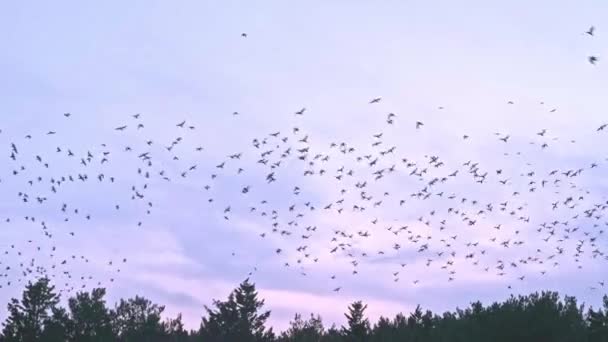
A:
[592,59]
[505,211]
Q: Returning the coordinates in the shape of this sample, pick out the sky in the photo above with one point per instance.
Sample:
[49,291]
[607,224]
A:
[187,60]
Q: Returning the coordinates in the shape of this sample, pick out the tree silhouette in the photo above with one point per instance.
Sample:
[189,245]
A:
[175,330]
[383,330]
[237,319]
[91,320]
[57,327]
[300,330]
[358,325]
[332,334]
[544,317]
[138,319]
[27,317]
[598,323]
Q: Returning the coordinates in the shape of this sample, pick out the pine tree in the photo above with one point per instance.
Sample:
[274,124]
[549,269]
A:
[58,327]
[598,323]
[301,330]
[383,330]
[138,319]
[237,319]
[175,330]
[358,326]
[332,334]
[26,319]
[91,320]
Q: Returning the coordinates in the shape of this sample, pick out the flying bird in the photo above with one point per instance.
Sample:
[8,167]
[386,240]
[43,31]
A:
[593,59]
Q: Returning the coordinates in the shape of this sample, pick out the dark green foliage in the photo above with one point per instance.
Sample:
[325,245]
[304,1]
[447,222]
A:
[332,335]
[175,331]
[90,319]
[237,319]
[138,319]
[598,323]
[300,330]
[38,318]
[538,317]
[57,327]
[358,325]
[26,318]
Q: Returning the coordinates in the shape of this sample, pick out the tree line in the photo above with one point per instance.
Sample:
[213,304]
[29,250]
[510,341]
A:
[537,317]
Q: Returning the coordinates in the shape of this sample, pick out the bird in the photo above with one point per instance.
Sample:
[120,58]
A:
[593,59]
[590,31]
[475,213]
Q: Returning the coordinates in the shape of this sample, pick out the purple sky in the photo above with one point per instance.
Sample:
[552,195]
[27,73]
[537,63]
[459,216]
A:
[171,63]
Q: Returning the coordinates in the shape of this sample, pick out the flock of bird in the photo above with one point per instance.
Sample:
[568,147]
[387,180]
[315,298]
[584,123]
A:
[376,204]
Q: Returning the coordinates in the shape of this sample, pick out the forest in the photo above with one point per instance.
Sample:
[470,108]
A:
[545,316]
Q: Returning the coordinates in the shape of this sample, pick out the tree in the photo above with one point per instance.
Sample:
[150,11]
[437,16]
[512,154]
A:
[237,319]
[138,319]
[358,326]
[532,318]
[91,320]
[27,317]
[300,330]
[58,327]
[383,330]
[332,334]
[174,328]
[598,323]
